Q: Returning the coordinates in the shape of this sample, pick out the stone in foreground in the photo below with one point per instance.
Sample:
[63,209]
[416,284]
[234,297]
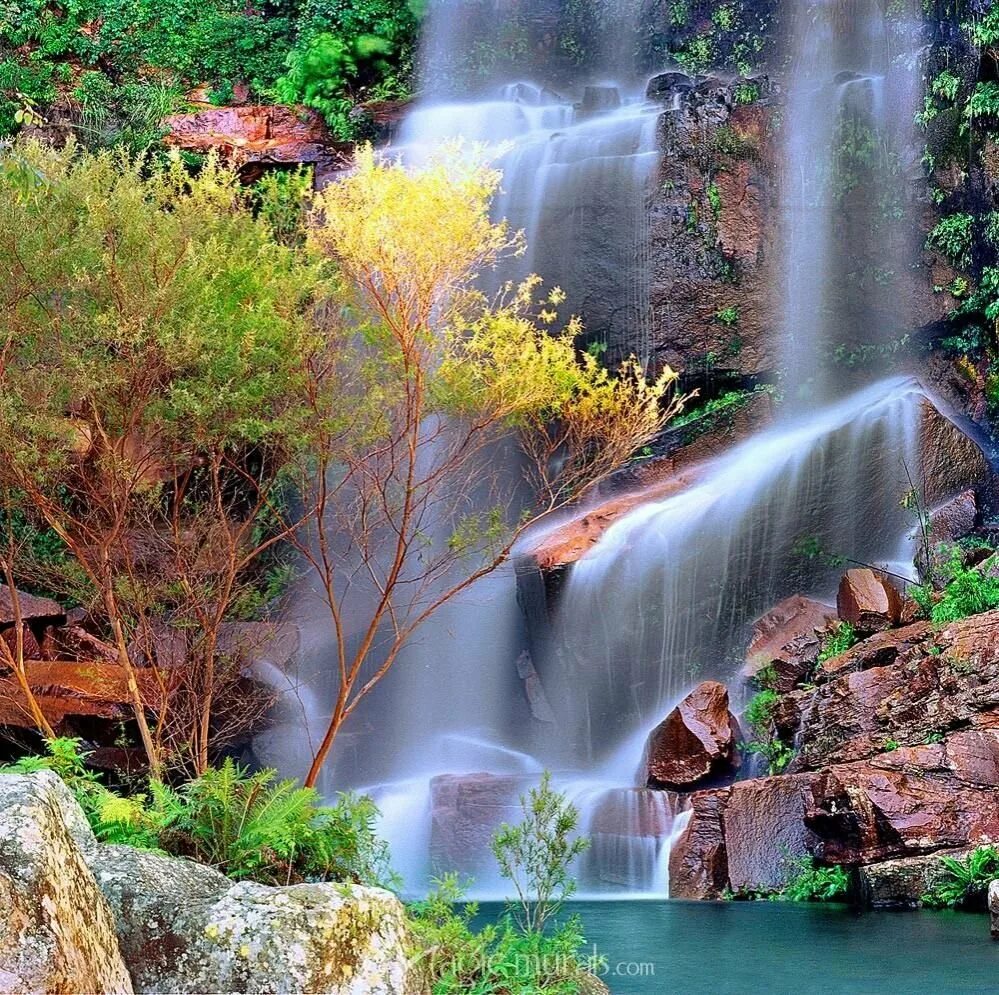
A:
[868,601]
[57,934]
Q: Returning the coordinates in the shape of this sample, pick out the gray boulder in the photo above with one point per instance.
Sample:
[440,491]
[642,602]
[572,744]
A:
[57,933]
[994,909]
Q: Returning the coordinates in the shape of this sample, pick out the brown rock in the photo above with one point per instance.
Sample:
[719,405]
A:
[880,650]
[787,639]
[947,524]
[745,838]
[952,462]
[33,610]
[900,883]
[697,743]
[868,601]
[259,136]
[698,861]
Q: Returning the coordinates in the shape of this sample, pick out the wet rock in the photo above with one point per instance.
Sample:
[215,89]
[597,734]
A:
[666,85]
[787,640]
[697,744]
[868,601]
[994,909]
[952,461]
[698,860]
[901,883]
[743,839]
[466,809]
[57,933]
[923,685]
[599,100]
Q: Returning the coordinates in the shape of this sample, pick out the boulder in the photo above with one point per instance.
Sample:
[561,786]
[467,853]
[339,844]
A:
[697,744]
[947,524]
[743,839]
[994,909]
[898,884]
[57,933]
[787,640]
[868,601]
[33,611]
[185,928]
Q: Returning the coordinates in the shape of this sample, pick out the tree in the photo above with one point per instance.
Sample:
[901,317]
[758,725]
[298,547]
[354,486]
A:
[537,853]
[421,383]
[154,338]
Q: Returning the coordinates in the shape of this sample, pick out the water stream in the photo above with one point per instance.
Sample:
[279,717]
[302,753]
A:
[667,595]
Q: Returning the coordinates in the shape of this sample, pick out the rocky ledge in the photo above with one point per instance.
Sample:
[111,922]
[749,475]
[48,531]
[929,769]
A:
[83,917]
[891,752]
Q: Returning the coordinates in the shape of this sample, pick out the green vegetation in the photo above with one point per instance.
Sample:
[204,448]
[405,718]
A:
[518,955]
[728,316]
[953,236]
[812,883]
[246,825]
[838,641]
[966,591]
[122,66]
[965,881]
[759,715]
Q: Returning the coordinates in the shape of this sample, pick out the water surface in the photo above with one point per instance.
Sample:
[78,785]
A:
[716,948]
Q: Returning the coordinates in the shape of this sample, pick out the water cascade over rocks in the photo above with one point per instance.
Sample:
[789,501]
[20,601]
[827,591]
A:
[479,705]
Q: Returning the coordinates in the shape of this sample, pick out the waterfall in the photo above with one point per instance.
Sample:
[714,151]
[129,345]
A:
[466,720]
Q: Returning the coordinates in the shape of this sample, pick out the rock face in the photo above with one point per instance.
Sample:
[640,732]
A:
[257,137]
[57,933]
[743,839]
[697,744]
[868,601]
[787,640]
[465,811]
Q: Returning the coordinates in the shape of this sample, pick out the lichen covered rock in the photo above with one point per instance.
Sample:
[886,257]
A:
[57,933]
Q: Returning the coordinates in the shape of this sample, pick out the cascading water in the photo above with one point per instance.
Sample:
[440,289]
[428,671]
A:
[665,597]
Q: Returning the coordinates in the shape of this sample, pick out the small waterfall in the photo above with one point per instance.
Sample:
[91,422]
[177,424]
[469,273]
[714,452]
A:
[666,597]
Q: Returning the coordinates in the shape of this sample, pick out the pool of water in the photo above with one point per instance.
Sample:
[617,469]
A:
[690,948]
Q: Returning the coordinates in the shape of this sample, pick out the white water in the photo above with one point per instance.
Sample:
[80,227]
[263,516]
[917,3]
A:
[666,597]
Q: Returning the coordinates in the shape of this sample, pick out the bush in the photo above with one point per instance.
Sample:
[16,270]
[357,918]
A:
[965,882]
[246,825]
[967,591]
[839,641]
[759,715]
[812,883]
[518,955]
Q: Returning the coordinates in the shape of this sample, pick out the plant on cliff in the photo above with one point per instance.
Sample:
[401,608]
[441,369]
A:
[966,590]
[155,340]
[964,882]
[420,381]
[842,638]
[759,715]
[812,883]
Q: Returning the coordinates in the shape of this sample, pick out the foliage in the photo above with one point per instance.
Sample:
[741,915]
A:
[964,881]
[812,883]
[174,331]
[536,854]
[759,715]
[839,641]
[246,825]
[126,64]
[728,316]
[967,591]
[498,959]
[953,236]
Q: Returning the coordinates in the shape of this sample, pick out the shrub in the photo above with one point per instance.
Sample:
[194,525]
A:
[759,715]
[967,591]
[812,883]
[838,641]
[964,882]
[246,825]
[953,236]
